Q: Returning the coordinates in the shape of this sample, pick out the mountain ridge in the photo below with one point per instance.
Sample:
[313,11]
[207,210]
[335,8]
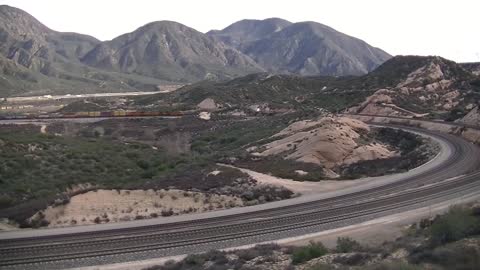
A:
[171,45]
[304,48]
[34,57]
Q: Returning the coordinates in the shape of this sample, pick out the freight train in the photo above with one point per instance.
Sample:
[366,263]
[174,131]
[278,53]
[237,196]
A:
[91,115]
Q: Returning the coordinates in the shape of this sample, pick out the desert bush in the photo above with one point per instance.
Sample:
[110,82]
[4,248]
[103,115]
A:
[217,257]
[306,253]
[167,213]
[352,259]
[194,260]
[346,245]
[321,266]
[460,257]
[257,251]
[393,266]
[456,224]
[452,256]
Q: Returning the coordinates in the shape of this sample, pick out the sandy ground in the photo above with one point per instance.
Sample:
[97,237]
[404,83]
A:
[125,205]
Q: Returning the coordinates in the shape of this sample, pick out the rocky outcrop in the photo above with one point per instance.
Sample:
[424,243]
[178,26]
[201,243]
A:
[328,141]
[438,86]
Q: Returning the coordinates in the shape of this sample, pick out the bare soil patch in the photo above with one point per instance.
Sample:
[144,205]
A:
[102,206]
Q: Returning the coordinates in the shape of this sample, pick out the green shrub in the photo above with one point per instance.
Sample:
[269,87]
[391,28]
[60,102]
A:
[456,256]
[454,225]
[5,201]
[306,253]
[346,245]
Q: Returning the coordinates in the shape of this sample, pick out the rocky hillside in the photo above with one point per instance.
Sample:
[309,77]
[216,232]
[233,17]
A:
[423,87]
[170,51]
[306,48]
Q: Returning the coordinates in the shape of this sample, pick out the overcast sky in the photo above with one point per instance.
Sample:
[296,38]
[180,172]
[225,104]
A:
[424,27]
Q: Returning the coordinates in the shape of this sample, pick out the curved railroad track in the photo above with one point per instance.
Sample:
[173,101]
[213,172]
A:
[457,175]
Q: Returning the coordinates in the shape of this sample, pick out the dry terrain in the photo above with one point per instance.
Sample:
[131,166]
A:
[101,206]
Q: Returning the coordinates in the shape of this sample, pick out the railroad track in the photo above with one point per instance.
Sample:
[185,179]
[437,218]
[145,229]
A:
[84,248]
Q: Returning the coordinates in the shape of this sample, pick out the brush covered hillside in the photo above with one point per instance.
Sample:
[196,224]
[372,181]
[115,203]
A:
[305,48]
[37,60]
[262,93]
[406,86]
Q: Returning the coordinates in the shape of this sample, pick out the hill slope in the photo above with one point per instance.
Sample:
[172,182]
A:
[306,48]
[402,86]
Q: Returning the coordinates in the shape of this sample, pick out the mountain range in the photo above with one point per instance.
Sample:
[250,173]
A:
[38,60]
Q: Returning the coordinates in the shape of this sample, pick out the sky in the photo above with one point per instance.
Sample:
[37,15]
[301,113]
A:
[450,29]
